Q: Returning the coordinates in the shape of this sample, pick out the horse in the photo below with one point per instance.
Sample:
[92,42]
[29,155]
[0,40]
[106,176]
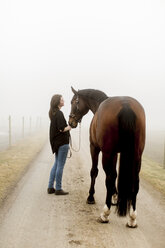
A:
[117,127]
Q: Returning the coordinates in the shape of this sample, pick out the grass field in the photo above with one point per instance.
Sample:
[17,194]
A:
[153,159]
[15,160]
[154,173]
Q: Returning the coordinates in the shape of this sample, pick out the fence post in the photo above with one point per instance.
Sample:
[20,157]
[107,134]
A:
[30,127]
[40,125]
[23,127]
[9,131]
[164,155]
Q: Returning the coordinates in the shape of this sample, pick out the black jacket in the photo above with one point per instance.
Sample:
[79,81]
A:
[56,136]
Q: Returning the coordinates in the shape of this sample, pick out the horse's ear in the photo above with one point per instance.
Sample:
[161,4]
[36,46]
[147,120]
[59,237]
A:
[74,91]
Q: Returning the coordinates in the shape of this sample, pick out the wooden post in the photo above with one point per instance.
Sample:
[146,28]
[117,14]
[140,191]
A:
[30,125]
[37,123]
[23,127]
[164,155]
[9,131]
[40,123]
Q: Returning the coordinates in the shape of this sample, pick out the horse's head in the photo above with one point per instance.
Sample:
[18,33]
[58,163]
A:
[78,109]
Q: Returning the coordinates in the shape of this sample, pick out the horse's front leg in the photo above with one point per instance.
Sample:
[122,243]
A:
[93,173]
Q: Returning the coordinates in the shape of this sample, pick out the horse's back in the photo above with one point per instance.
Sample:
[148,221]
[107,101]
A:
[113,105]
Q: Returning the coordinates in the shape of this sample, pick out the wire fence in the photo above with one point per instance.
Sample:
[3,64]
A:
[13,129]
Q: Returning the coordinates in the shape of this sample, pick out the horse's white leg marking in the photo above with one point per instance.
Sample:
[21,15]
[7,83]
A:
[132,218]
[114,199]
[105,214]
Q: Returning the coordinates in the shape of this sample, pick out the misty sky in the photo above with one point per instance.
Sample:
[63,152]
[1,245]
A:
[115,46]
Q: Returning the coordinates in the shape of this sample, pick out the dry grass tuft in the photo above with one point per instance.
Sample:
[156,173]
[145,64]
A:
[15,160]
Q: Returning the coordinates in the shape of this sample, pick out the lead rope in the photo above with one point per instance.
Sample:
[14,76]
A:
[71,147]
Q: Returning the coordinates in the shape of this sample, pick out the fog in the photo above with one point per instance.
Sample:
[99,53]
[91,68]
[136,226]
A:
[114,46]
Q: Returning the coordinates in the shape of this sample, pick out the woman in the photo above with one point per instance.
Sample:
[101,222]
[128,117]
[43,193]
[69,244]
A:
[59,141]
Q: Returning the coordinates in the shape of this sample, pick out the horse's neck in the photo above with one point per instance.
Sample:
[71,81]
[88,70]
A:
[93,106]
[94,98]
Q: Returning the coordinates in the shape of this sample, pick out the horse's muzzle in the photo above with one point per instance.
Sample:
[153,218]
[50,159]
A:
[72,123]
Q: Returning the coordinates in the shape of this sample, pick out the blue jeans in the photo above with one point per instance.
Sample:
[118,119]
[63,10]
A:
[57,169]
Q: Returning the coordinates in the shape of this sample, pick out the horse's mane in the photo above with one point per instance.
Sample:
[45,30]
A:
[93,94]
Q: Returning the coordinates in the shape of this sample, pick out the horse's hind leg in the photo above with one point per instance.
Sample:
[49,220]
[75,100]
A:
[132,223]
[94,172]
[109,166]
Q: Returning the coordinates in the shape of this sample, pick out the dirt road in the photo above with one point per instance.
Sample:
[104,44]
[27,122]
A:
[30,218]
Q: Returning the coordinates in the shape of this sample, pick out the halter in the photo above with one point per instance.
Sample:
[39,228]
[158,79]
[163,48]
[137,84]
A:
[78,121]
[77,110]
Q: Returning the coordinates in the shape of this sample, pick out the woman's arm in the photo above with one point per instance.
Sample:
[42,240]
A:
[68,128]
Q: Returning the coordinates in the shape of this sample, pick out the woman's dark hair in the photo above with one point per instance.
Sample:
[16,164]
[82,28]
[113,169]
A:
[54,103]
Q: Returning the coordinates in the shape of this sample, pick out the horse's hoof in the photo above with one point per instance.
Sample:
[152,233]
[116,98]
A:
[131,226]
[90,202]
[99,220]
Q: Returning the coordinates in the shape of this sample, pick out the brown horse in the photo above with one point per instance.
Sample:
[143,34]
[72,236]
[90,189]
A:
[118,126]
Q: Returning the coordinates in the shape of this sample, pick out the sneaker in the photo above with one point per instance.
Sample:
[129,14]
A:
[51,190]
[61,192]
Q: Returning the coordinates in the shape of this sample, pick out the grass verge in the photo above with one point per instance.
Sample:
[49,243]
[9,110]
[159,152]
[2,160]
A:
[15,160]
[154,174]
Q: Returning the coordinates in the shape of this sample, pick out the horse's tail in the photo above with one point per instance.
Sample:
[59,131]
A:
[127,126]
